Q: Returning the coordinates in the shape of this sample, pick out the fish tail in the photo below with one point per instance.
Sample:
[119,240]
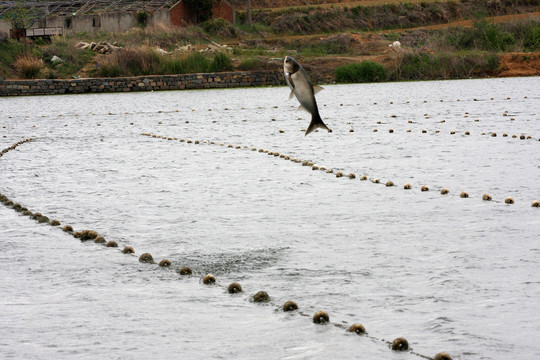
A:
[316,123]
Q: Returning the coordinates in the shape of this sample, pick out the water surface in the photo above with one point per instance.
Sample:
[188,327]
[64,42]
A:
[449,274]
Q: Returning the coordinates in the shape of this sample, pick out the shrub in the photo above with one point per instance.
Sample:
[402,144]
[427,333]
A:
[418,66]
[172,66]
[493,37]
[220,28]
[221,62]
[130,62]
[326,48]
[251,64]
[422,66]
[9,51]
[512,36]
[366,71]
[482,36]
[108,70]
[392,36]
[318,50]
[145,61]
[28,67]
[492,62]
[142,18]
[38,41]
[193,63]
[255,28]
[196,63]
[74,59]
[531,41]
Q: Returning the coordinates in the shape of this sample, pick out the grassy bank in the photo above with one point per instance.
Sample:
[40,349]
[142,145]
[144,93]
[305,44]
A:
[146,61]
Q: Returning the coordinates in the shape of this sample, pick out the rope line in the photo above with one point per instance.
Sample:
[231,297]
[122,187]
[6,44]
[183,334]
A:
[338,174]
[320,317]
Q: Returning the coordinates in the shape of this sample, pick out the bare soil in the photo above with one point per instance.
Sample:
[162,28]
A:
[520,64]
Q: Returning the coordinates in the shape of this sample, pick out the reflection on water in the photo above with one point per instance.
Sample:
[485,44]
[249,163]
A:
[449,274]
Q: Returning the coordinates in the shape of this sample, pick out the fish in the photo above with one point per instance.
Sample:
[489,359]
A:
[301,87]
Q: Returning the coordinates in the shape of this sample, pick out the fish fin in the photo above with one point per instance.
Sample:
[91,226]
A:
[291,95]
[317,89]
[316,123]
[303,108]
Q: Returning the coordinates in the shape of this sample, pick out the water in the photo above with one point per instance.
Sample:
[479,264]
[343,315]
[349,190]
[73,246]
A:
[449,274]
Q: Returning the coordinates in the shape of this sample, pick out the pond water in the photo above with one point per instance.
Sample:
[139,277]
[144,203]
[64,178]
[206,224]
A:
[450,274]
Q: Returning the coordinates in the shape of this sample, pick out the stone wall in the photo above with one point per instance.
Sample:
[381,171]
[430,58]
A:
[141,83]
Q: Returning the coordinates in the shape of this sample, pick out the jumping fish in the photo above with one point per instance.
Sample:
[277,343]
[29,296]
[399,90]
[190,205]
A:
[303,89]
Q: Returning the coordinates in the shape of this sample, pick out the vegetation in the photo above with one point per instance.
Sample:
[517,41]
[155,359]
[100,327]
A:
[9,52]
[72,58]
[420,66]
[454,52]
[145,61]
[338,44]
[221,62]
[366,71]
[142,18]
[310,19]
[28,66]
[20,16]
[156,36]
[220,28]
[251,63]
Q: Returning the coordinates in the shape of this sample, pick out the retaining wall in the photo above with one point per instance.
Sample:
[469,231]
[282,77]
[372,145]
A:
[141,83]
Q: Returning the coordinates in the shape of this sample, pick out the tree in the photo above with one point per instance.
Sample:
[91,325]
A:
[202,9]
[21,17]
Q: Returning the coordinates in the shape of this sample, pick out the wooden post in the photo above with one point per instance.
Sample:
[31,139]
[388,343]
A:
[249,12]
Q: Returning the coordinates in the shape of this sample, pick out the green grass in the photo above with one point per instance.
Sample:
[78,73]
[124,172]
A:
[521,35]
[9,51]
[366,71]
[251,52]
[483,36]
[220,28]
[221,62]
[137,61]
[73,59]
[251,64]
[255,28]
[422,66]
[322,49]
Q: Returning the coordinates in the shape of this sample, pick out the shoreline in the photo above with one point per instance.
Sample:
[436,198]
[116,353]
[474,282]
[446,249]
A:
[196,81]
[220,80]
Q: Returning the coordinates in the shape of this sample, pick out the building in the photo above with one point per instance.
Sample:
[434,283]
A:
[180,14]
[110,15]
